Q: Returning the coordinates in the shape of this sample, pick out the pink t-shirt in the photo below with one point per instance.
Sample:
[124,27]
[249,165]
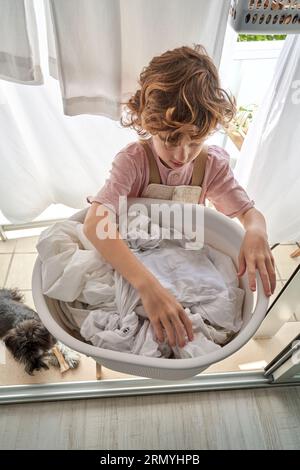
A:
[129,176]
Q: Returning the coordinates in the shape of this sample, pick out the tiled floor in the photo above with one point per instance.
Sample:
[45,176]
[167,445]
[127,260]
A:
[285,266]
[17,259]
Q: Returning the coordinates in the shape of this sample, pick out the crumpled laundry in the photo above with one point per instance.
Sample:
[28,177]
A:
[96,300]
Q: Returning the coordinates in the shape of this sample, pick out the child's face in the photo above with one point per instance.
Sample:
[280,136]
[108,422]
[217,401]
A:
[176,157]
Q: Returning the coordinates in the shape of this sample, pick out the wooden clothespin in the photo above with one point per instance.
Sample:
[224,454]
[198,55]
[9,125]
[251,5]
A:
[295,253]
[61,360]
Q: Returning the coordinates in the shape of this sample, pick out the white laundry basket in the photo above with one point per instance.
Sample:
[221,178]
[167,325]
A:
[265,16]
[220,232]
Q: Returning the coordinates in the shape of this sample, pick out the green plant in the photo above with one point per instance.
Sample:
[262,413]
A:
[244,117]
[261,37]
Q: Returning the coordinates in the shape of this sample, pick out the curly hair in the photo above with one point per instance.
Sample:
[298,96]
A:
[179,95]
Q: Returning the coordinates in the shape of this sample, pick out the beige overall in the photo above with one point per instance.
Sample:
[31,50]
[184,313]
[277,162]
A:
[183,193]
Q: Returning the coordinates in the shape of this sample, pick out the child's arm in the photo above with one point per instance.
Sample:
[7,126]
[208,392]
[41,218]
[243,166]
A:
[160,305]
[255,252]
[230,198]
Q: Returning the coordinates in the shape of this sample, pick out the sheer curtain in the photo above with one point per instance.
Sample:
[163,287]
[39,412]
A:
[48,157]
[269,164]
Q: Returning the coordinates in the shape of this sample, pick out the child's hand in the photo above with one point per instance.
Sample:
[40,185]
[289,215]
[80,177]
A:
[255,254]
[164,311]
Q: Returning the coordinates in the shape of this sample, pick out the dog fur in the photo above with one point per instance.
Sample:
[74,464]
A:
[26,337]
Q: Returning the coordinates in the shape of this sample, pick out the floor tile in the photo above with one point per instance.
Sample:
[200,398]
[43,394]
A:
[8,246]
[12,372]
[20,271]
[278,277]
[4,265]
[279,286]
[26,245]
[28,299]
[285,264]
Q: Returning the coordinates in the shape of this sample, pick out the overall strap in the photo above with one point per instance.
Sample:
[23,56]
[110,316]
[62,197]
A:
[199,167]
[198,170]
[154,176]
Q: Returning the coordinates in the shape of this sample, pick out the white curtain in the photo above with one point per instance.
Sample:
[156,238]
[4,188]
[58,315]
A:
[47,157]
[19,47]
[269,164]
[101,46]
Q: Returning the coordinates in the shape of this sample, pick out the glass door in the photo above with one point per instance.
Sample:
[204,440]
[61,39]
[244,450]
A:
[285,365]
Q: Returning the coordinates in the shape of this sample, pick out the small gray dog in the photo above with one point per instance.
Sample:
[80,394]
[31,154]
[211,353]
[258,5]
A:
[26,337]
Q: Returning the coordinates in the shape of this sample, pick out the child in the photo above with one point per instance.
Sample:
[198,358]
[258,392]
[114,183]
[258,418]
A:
[179,104]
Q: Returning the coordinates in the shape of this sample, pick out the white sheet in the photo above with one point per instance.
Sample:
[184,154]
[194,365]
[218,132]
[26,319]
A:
[102,46]
[107,309]
[19,46]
